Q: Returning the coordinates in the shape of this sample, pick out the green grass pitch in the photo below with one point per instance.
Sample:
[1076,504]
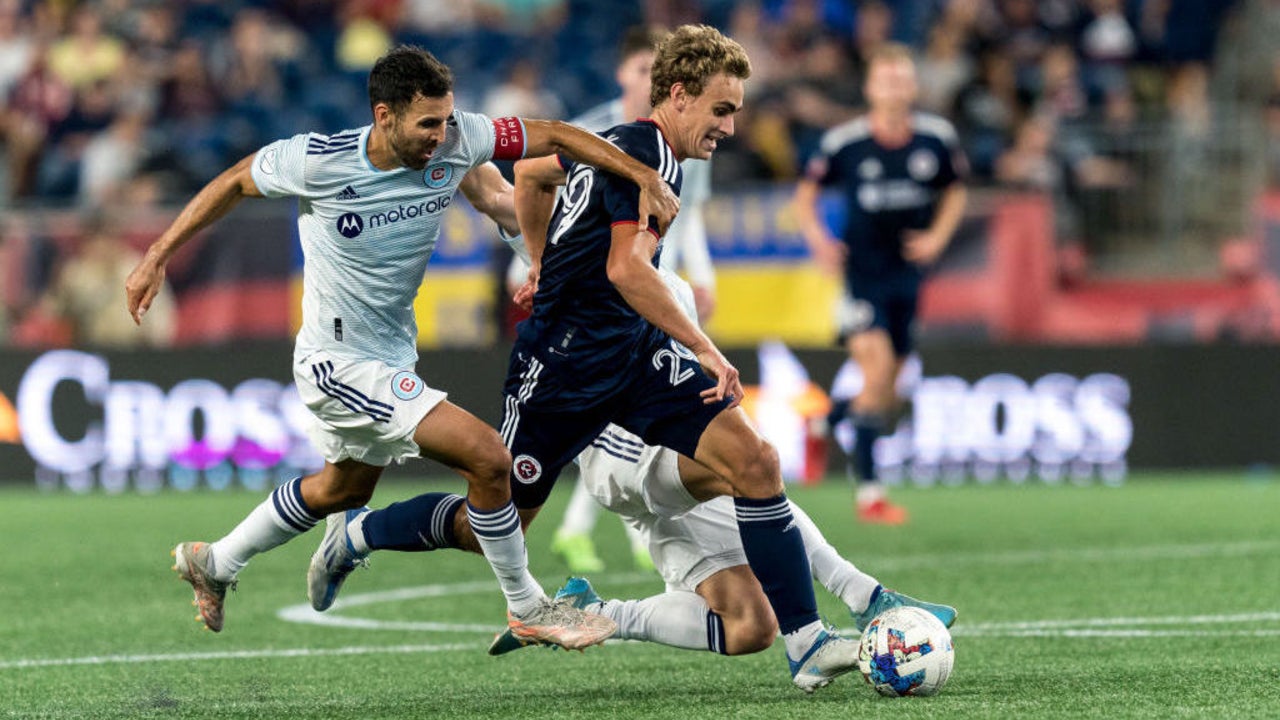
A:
[1157,599]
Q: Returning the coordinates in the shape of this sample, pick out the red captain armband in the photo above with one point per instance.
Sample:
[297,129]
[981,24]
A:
[508,138]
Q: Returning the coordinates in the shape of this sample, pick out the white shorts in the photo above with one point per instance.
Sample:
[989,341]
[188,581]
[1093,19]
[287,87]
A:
[362,410]
[689,541]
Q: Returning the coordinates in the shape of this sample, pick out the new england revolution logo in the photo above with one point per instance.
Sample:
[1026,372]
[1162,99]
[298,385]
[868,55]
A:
[406,386]
[526,468]
[437,176]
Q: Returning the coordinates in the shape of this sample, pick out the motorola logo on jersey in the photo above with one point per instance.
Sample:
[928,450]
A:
[427,207]
[350,225]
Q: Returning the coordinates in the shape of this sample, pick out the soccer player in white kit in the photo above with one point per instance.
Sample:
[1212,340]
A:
[370,204]
[685,246]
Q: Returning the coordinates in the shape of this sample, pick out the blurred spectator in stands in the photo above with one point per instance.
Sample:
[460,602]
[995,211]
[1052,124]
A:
[243,65]
[824,93]
[944,69]
[110,160]
[440,17]
[87,55]
[85,296]
[521,94]
[534,18]
[1273,126]
[1107,43]
[93,110]
[1023,39]
[37,102]
[986,111]
[17,46]
[363,39]
[748,26]
[1030,162]
[189,93]
[1190,36]
[674,13]
[1061,93]
[189,107]
[873,28]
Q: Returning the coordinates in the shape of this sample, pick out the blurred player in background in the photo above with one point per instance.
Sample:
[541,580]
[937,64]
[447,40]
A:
[685,247]
[371,200]
[699,554]
[900,176]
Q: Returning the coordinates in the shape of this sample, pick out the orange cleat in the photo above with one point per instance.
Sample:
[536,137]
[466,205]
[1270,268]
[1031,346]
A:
[881,512]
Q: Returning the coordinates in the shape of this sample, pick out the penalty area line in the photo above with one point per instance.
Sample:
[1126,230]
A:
[234,655]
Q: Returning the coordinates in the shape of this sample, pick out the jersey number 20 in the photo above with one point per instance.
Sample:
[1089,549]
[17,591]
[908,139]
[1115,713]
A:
[673,355]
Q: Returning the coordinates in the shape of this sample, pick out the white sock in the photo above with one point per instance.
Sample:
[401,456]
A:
[799,642]
[677,618]
[869,492]
[580,516]
[832,571]
[502,542]
[277,520]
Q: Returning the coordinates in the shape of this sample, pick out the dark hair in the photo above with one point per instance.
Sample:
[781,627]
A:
[404,73]
[638,39]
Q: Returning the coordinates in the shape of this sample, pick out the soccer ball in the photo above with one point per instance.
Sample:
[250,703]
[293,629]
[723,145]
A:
[906,651]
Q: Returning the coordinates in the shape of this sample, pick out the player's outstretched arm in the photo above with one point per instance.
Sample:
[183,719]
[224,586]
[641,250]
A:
[212,202]
[827,251]
[547,137]
[491,194]
[630,269]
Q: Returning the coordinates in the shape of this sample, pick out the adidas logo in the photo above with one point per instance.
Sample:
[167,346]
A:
[348,193]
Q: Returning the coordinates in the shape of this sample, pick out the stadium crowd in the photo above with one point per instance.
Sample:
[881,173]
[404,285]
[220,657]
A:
[99,94]
[127,103]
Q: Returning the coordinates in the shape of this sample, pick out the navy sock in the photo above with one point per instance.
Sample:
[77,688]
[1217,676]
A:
[867,429]
[414,525]
[775,551]
[715,633]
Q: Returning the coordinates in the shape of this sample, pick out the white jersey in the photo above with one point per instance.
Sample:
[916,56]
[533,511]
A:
[367,234]
[685,244]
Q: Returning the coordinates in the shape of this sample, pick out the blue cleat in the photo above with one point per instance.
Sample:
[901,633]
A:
[829,657]
[579,593]
[333,561]
[882,599]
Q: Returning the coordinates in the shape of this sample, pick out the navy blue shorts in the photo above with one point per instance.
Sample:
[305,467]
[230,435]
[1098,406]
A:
[889,306]
[661,402]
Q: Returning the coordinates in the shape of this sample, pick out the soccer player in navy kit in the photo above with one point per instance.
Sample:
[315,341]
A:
[900,173]
[607,342]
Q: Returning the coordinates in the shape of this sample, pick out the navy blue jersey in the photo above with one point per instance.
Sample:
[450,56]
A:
[579,318]
[887,191]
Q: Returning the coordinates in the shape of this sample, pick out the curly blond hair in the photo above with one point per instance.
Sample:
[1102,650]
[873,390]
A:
[691,55]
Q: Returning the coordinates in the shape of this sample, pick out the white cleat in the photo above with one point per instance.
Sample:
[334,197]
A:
[333,561]
[828,658]
[558,622]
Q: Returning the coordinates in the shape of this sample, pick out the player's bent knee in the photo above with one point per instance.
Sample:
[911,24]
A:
[752,632]
[759,474]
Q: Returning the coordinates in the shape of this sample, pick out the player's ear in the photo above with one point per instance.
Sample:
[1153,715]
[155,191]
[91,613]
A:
[382,115]
[678,95]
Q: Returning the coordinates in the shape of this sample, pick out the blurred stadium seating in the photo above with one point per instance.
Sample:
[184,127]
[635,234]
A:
[1138,123]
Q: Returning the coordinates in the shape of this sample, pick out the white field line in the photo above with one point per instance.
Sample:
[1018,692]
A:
[233,655]
[1130,627]
[1141,553]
